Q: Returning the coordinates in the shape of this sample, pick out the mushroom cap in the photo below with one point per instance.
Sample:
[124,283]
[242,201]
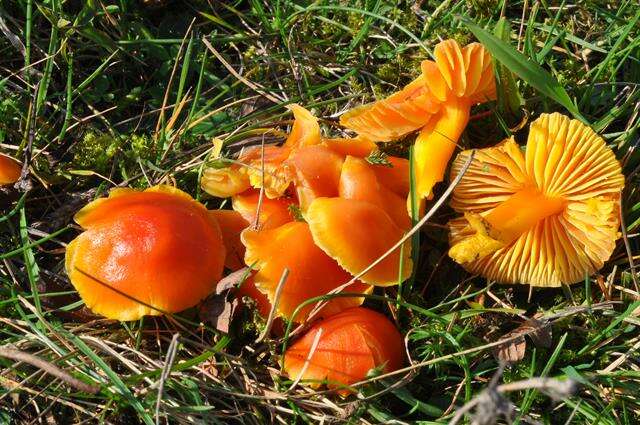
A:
[311,272]
[276,178]
[463,73]
[365,220]
[351,344]
[305,130]
[231,224]
[158,247]
[564,161]
[356,233]
[10,170]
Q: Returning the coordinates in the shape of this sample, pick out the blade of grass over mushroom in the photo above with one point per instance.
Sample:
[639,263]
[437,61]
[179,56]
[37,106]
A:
[525,68]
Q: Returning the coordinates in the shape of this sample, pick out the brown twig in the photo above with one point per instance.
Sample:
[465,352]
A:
[51,369]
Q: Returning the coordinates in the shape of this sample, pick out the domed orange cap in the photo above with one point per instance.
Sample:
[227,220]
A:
[159,247]
[311,272]
[350,344]
[10,170]
[545,217]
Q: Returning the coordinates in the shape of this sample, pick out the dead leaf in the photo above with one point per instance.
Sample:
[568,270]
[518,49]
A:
[513,351]
[232,280]
[218,309]
[539,331]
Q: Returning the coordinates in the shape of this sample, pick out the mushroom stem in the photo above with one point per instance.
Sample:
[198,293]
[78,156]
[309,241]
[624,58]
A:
[505,223]
[522,211]
[436,143]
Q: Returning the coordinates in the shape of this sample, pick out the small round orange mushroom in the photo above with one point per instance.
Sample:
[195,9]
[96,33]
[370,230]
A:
[347,347]
[10,170]
[311,272]
[145,253]
[437,103]
[545,217]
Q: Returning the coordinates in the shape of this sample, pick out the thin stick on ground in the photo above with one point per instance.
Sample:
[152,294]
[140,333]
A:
[50,368]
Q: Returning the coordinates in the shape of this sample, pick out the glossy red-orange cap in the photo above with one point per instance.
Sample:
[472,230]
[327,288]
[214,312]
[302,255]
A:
[145,253]
[269,213]
[347,347]
[311,272]
[545,217]
[10,170]
[356,233]
[389,119]
[231,224]
[305,130]
[317,173]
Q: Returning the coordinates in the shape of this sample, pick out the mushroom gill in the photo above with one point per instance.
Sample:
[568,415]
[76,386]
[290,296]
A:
[545,217]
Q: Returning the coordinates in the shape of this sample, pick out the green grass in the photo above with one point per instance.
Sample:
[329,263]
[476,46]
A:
[125,92]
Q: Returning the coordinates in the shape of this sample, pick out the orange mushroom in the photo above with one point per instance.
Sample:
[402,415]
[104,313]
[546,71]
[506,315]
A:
[10,170]
[311,272]
[545,217]
[437,103]
[356,233]
[145,253]
[342,349]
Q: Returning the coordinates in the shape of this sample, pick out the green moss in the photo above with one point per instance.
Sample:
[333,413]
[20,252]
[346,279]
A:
[95,151]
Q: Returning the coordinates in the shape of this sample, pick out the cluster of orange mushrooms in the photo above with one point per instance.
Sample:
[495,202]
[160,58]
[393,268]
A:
[316,220]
